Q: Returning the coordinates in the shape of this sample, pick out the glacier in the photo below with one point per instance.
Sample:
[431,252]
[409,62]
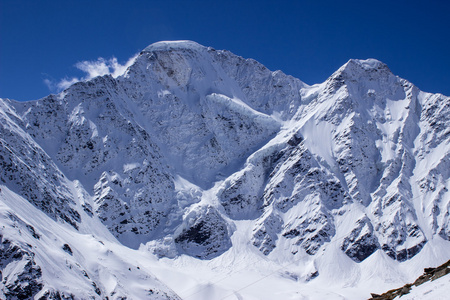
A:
[199,174]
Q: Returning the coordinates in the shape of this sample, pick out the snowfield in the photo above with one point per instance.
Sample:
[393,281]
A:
[198,174]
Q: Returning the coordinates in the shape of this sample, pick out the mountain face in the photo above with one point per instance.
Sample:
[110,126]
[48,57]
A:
[196,157]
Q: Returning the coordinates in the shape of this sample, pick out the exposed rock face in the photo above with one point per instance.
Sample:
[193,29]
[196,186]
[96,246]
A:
[361,242]
[191,141]
[27,169]
[300,191]
[206,234]
[26,282]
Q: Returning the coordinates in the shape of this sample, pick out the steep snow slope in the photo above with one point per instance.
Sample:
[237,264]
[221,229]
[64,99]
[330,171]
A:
[47,260]
[211,166]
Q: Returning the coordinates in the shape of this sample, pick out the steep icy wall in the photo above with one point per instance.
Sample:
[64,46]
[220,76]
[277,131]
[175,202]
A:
[27,169]
[352,154]
[176,99]
[194,102]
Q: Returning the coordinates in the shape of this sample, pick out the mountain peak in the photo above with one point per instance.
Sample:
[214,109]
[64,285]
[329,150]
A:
[354,67]
[173,45]
[367,64]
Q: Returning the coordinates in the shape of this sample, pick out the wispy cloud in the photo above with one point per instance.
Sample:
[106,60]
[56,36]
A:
[92,69]
[58,86]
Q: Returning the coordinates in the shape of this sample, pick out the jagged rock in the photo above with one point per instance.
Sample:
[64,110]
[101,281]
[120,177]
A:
[265,233]
[361,242]
[27,168]
[21,277]
[56,295]
[205,236]
[67,248]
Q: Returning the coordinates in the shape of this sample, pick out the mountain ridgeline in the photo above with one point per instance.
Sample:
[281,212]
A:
[191,141]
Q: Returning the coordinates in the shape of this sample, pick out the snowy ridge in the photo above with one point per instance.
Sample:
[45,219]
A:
[198,174]
[174,45]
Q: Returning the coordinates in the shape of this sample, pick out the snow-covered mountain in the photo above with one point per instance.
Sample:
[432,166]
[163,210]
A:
[198,174]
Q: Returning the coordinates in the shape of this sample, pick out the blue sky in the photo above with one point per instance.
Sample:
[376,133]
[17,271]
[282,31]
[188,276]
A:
[45,41]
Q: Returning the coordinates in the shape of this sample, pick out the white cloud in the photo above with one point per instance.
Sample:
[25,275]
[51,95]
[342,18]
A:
[65,83]
[92,69]
[50,84]
[95,68]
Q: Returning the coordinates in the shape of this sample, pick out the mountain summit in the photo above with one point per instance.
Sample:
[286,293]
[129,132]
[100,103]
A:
[199,174]
[174,45]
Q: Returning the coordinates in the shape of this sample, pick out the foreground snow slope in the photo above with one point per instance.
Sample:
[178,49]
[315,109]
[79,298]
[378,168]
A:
[203,175]
[435,290]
